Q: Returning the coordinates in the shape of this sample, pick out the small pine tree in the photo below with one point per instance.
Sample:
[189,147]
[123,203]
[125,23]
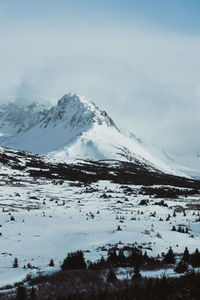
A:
[112,257]
[179,229]
[136,273]
[195,259]
[51,263]
[173,228]
[186,255]
[169,257]
[33,295]
[119,228]
[102,262]
[15,263]
[74,260]
[145,256]
[29,266]
[181,267]
[21,293]
[121,257]
[111,277]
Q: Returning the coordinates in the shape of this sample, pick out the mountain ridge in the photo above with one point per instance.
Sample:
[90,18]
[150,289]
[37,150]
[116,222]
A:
[75,128]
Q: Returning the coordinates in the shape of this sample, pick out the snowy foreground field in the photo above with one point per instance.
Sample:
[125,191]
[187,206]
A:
[45,219]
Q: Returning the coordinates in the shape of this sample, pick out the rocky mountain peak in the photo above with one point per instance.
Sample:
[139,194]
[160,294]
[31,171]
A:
[21,116]
[76,111]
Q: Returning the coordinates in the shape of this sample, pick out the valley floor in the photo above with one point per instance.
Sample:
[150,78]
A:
[44,219]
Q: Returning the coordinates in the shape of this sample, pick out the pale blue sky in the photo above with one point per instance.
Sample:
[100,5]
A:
[139,60]
[178,15]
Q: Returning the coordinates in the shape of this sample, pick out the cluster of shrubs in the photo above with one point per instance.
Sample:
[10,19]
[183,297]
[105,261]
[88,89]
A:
[187,259]
[161,203]
[23,294]
[164,192]
[134,257]
[117,258]
[125,257]
[180,288]
[74,260]
[180,229]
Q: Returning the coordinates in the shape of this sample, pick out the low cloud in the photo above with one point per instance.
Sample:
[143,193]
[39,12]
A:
[146,80]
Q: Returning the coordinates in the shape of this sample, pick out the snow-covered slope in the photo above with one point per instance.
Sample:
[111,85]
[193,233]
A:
[186,163]
[48,210]
[73,129]
[18,117]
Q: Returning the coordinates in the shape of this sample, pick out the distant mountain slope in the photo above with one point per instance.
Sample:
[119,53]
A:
[18,117]
[187,163]
[73,129]
[22,166]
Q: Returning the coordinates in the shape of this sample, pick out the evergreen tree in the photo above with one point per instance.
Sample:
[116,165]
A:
[186,255]
[74,260]
[112,257]
[181,267]
[119,228]
[111,277]
[145,257]
[135,257]
[33,295]
[195,259]
[136,271]
[15,263]
[169,257]
[102,262]
[21,293]
[51,263]
[179,229]
[121,257]
[29,266]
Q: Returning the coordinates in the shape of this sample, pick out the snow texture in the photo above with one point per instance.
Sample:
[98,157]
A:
[73,129]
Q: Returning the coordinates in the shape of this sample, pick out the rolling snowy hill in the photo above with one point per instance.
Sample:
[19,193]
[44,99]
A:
[49,209]
[73,129]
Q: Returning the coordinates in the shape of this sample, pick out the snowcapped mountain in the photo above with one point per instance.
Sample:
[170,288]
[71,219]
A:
[122,202]
[73,129]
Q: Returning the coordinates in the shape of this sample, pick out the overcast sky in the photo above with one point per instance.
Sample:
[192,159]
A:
[138,60]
